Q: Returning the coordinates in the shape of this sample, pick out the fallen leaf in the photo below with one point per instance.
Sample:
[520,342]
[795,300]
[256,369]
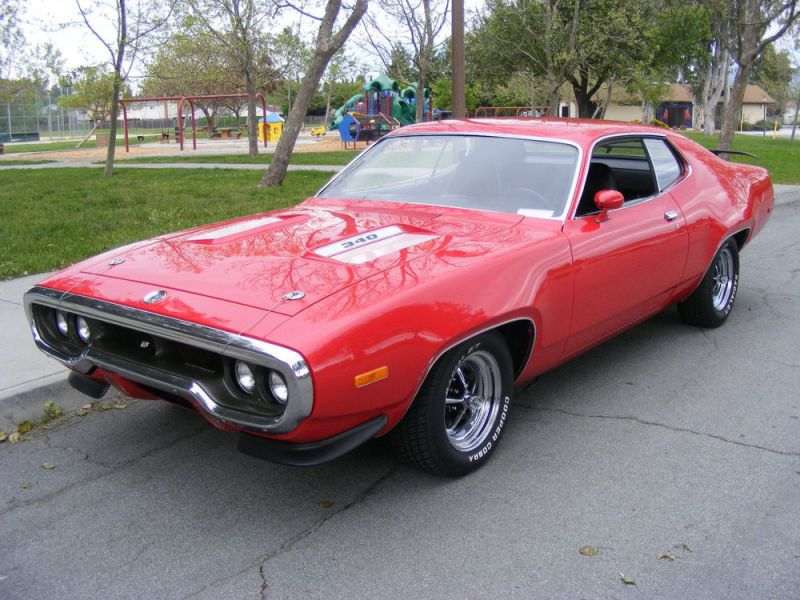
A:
[120,405]
[50,412]
[627,580]
[325,503]
[14,437]
[82,412]
[3,436]
[589,551]
[26,485]
[102,406]
[666,556]
[87,406]
[24,427]
[48,466]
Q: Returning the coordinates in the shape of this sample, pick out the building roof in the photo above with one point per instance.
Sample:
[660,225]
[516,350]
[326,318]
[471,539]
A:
[272,117]
[682,92]
[753,94]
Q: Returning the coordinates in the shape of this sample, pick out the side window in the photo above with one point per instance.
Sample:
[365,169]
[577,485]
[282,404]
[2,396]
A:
[666,166]
[618,164]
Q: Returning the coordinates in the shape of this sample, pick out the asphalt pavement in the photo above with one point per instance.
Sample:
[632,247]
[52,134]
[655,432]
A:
[672,451]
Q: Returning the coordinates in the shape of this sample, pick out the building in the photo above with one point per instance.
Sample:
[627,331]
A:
[677,108]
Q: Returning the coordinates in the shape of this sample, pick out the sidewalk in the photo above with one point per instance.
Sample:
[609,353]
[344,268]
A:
[28,378]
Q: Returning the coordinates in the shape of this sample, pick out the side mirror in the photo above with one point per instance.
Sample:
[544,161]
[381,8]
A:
[607,200]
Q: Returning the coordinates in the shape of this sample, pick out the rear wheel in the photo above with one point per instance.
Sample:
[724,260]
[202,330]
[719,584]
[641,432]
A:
[712,301]
[459,414]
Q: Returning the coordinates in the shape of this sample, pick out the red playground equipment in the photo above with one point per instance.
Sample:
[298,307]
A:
[181,100]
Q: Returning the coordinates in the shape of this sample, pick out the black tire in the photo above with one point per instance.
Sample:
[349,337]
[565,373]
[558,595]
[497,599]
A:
[458,436]
[712,301]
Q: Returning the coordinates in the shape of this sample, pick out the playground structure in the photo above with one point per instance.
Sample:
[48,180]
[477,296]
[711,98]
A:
[270,127]
[181,100]
[356,127]
[380,108]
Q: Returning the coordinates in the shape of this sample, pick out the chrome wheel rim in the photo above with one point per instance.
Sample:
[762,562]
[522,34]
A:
[473,399]
[723,279]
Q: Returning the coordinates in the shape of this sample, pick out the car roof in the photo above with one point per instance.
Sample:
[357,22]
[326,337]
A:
[581,131]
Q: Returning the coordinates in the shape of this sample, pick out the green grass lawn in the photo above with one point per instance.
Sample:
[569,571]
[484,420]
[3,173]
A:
[336,157]
[52,218]
[780,156]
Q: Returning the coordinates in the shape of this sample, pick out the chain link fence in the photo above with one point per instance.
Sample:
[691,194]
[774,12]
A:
[39,118]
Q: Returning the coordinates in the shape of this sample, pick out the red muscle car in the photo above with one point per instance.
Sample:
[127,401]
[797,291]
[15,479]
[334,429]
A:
[445,265]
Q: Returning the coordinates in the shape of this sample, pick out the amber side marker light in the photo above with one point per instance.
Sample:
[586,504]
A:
[371,376]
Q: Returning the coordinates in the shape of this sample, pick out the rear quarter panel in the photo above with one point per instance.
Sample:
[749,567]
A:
[718,199]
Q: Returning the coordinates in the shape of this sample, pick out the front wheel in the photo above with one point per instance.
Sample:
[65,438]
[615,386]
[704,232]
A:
[459,414]
[712,301]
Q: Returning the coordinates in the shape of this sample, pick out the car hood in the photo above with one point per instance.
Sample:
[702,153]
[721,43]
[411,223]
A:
[286,260]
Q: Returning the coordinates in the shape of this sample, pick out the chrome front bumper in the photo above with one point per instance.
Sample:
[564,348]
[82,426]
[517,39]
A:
[288,362]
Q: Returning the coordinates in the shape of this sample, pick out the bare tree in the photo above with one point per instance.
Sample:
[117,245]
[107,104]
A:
[713,74]
[422,22]
[132,22]
[237,26]
[754,24]
[327,44]
[795,85]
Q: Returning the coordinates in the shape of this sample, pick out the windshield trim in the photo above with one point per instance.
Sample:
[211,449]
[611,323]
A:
[534,138]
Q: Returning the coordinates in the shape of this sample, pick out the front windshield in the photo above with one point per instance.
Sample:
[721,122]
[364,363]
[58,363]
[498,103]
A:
[513,175]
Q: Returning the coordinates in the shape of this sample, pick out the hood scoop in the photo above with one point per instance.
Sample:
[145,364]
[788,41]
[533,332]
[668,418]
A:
[371,245]
[241,229]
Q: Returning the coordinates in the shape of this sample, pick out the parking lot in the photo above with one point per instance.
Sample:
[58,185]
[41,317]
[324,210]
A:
[672,452]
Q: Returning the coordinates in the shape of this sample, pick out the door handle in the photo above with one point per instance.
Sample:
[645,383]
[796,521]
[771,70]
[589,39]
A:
[671,215]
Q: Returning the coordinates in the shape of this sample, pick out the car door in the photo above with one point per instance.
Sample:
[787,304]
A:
[625,267]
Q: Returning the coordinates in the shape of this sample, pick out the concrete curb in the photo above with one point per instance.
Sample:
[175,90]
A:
[25,401]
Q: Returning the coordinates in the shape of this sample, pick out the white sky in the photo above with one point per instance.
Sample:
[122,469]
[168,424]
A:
[59,22]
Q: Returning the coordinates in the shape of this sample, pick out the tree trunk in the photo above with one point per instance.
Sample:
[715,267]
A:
[586,107]
[327,45]
[420,90]
[112,138]
[291,128]
[796,115]
[553,99]
[733,109]
[328,106]
[252,126]
[88,135]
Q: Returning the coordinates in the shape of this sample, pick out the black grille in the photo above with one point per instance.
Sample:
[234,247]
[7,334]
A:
[211,370]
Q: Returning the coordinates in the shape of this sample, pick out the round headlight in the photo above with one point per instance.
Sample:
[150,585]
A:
[245,377]
[61,323]
[277,385]
[84,332]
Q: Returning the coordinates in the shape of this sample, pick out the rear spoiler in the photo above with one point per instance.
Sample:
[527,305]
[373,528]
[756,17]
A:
[718,151]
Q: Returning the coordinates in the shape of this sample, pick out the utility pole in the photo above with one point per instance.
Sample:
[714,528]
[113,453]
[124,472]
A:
[459,102]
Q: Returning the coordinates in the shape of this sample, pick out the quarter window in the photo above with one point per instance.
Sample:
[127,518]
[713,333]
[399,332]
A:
[665,165]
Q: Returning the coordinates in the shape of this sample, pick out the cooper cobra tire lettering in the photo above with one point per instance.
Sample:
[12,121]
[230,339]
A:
[458,417]
[498,430]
